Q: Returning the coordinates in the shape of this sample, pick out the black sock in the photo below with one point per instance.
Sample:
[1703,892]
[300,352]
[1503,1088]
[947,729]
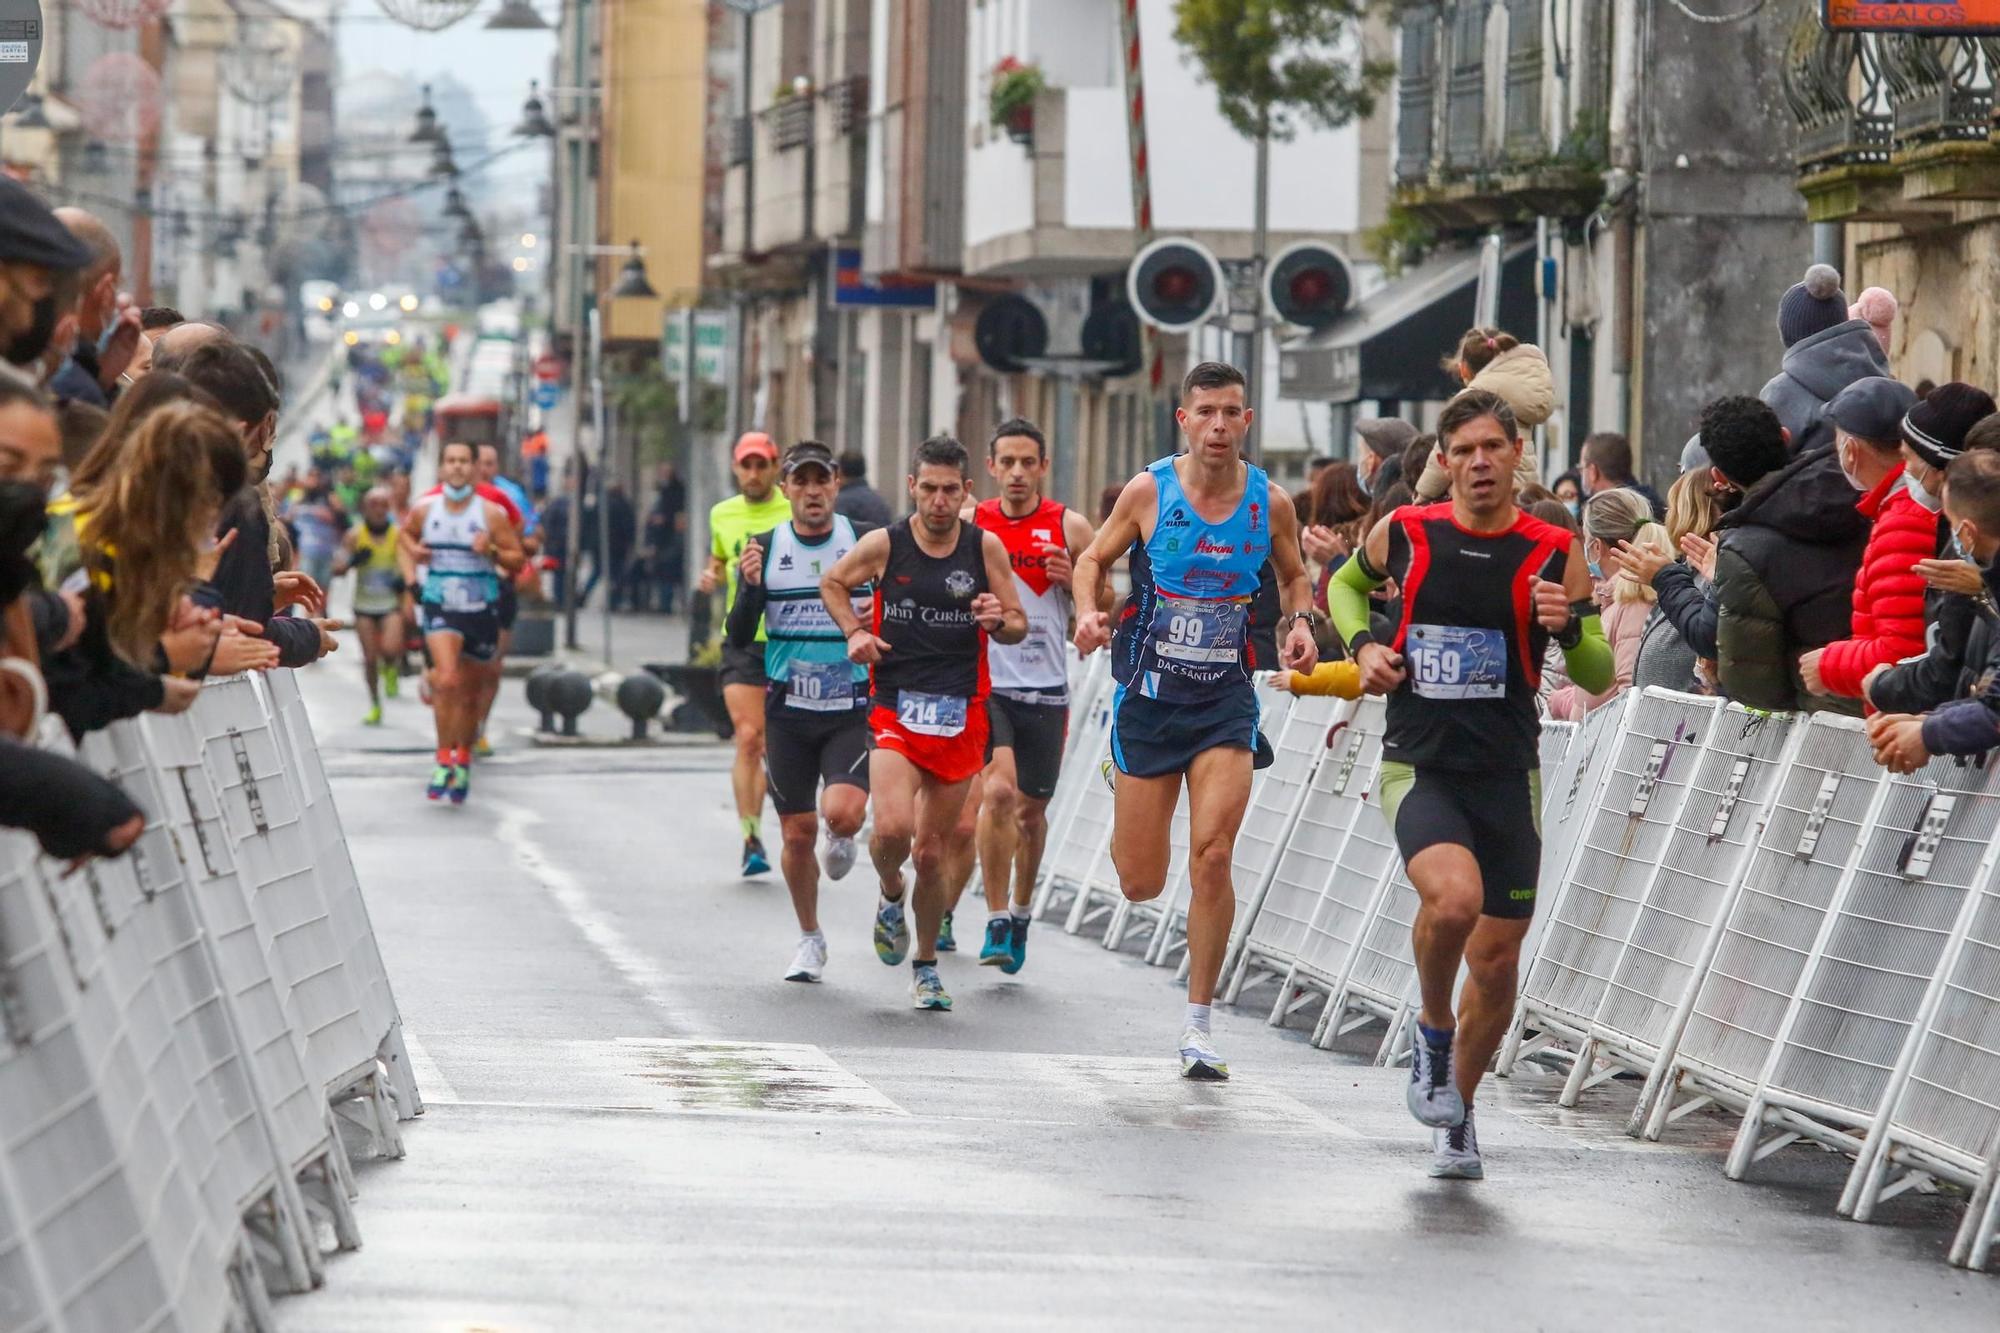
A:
[916,963]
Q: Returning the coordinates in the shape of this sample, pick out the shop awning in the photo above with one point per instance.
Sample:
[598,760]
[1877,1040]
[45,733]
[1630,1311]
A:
[1391,345]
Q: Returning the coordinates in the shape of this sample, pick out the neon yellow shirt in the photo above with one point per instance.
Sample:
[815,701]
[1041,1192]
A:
[731,524]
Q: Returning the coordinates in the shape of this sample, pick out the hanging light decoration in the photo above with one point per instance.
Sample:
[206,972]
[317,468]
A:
[535,122]
[442,165]
[258,67]
[516,16]
[632,277]
[119,96]
[427,15]
[427,121]
[454,204]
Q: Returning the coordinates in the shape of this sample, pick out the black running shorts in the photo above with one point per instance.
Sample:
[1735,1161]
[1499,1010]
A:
[743,666]
[1035,733]
[802,750]
[1494,815]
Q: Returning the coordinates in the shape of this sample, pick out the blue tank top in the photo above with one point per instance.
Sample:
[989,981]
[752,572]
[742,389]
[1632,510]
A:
[1183,636]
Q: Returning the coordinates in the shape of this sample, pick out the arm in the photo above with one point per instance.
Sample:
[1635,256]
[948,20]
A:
[1298,649]
[741,629]
[1347,603]
[502,540]
[863,564]
[1077,537]
[1922,684]
[343,560]
[1687,607]
[999,608]
[1089,586]
[410,548]
[1571,615]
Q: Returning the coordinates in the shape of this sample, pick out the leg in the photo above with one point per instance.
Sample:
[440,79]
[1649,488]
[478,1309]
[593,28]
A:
[1218,793]
[999,816]
[1492,962]
[746,714]
[801,867]
[962,847]
[892,786]
[1142,815]
[1031,834]
[447,680]
[1446,877]
[368,630]
[939,805]
[486,683]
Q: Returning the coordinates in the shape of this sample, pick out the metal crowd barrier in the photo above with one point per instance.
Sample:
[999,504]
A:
[1739,907]
[186,1027]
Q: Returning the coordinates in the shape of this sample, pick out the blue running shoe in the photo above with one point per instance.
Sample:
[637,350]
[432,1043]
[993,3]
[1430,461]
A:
[947,942]
[927,990]
[461,784]
[995,952]
[755,862]
[440,782]
[892,933]
[1433,1092]
[1017,945]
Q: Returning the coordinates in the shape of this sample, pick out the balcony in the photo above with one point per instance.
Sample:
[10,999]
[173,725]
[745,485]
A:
[1893,128]
[794,174]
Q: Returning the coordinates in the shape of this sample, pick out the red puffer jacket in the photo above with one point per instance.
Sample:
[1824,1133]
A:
[1888,593]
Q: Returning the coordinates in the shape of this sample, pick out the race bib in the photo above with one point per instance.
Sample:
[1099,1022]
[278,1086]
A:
[1452,662]
[460,595]
[931,714]
[1200,633]
[820,687]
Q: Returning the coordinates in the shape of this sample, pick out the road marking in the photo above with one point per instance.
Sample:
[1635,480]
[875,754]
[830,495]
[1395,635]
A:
[743,1076]
[517,825]
[432,1085]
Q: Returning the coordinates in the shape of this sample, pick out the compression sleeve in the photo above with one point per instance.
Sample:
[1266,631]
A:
[1590,664]
[1347,598]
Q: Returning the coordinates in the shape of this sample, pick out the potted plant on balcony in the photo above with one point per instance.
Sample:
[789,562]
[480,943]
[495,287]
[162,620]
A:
[1011,104]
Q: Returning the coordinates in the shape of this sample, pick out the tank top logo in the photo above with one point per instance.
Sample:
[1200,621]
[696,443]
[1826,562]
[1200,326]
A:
[959,584]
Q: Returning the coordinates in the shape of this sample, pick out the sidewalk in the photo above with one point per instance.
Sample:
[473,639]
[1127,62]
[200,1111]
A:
[636,639]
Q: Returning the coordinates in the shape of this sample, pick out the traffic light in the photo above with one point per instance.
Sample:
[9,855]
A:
[1111,334]
[1174,284]
[1309,284]
[1009,332]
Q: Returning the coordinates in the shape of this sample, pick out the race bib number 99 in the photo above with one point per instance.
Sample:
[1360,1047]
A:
[1453,662]
[930,714]
[1198,632]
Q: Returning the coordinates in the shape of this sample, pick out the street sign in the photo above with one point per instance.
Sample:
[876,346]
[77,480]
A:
[853,287]
[548,366]
[547,394]
[20,48]
[711,345]
[1967,18]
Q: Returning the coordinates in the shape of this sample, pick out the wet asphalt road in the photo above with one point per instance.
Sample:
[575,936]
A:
[634,1123]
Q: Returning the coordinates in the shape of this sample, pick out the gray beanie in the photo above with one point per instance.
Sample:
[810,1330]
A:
[1812,306]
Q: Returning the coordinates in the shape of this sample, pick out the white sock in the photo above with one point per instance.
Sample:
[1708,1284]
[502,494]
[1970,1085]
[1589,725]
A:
[1021,913]
[811,935]
[896,903]
[1198,1018]
[991,917]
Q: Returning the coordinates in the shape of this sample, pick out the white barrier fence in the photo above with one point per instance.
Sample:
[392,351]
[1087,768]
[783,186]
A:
[186,1028]
[1740,908]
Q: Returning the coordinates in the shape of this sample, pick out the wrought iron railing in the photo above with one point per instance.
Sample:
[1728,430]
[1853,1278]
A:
[1416,94]
[789,123]
[1859,98]
[847,102]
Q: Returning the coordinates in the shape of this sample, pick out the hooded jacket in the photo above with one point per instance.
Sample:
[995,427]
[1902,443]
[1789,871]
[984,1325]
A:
[1520,375]
[1815,369]
[1969,722]
[1785,564]
[1888,623]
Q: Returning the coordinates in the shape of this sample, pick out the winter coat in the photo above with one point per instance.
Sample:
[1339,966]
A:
[1785,563]
[1521,376]
[1969,723]
[1665,659]
[1687,601]
[1815,370]
[1624,625]
[1888,623]
[1959,628]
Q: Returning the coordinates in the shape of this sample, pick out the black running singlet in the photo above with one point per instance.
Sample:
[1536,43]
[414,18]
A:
[1472,649]
[923,609]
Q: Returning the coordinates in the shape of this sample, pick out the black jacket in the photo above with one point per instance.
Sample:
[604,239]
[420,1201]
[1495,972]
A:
[90,685]
[1957,630]
[862,503]
[1785,564]
[242,585]
[1688,604]
[76,378]
[68,808]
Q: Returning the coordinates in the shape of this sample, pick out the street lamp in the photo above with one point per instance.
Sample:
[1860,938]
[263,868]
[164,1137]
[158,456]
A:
[427,130]
[454,204]
[535,123]
[632,277]
[517,16]
[442,164]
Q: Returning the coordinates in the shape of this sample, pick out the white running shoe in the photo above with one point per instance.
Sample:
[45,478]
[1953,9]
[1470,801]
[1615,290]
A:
[810,961]
[1199,1060]
[1456,1152]
[840,853]
[1432,1095]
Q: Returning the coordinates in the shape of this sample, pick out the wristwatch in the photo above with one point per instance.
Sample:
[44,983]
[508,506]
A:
[1291,618]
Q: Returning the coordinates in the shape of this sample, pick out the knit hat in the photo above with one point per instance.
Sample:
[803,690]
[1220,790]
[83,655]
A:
[1877,305]
[1935,428]
[1812,306]
[1386,436]
[1694,454]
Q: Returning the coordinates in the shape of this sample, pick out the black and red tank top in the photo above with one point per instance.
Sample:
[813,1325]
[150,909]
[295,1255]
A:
[1472,649]
[923,609]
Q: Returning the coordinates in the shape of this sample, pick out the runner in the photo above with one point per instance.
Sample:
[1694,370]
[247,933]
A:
[1199,527]
[505,606]
[759,507]
[372,550]
[465,546]
[528,525]
[1029,710]
[817,703]
[1484,588]
[944,588]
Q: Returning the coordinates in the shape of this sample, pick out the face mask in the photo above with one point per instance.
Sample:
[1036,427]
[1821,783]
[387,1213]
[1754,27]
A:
[1852,480]
[458,494]
[1963,549]
[30,345]
[1934,503]
[1575,508]
[38,692]
[22,519]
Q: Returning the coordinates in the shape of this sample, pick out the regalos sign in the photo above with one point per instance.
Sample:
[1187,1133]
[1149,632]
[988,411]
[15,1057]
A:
[1966,18]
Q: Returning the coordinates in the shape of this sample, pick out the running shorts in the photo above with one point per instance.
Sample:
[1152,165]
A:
[1497,816]
[480,630]
[803,751]
[1150,739]
[373,617]
[508,605]
[744,666]
[946,758]
[1035,733]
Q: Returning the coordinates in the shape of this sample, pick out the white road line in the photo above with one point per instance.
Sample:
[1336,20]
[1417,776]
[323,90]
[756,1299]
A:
[432,1085]
[517,824]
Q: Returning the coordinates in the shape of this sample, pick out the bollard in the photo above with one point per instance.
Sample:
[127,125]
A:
[538,693]
[640,698]
[569,695]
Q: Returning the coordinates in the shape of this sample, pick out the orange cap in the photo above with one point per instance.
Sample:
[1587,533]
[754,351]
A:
[754,442]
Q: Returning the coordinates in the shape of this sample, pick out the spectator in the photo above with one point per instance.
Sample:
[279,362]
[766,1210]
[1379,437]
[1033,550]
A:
[1606,464]
[159,318]
[1569,490]
[38,258]
[1879,307]
[1665,658]
[622,532]
[857,501]
[1969,723]
[1382,438]
[1337,506]
[1499,363]
[106,336]
[1825,351]
[173,348]
[1615,519]
[1888,616]
[666,538]
[318,521]
[1555,670]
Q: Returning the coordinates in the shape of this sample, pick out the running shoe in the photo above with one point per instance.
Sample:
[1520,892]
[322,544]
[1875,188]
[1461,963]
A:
[440,782]
[1017,945]
[392,680]
[483,748]
[810,960]
[461,783]
[1199,1060]
[840,853]
[755,862]
[1109,772]
[947,942]
[927,990]
[373,717]
[1433,1093]
[996,951]
[1456,1152]
[892,933]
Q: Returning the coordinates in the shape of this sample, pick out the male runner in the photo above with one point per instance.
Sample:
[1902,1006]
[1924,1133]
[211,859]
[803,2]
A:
[759,507]
[465,546]
[528,524]
[1199,527]
[943,586]
[1484,587]
[816,707]
[1029,710]
[372,550]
